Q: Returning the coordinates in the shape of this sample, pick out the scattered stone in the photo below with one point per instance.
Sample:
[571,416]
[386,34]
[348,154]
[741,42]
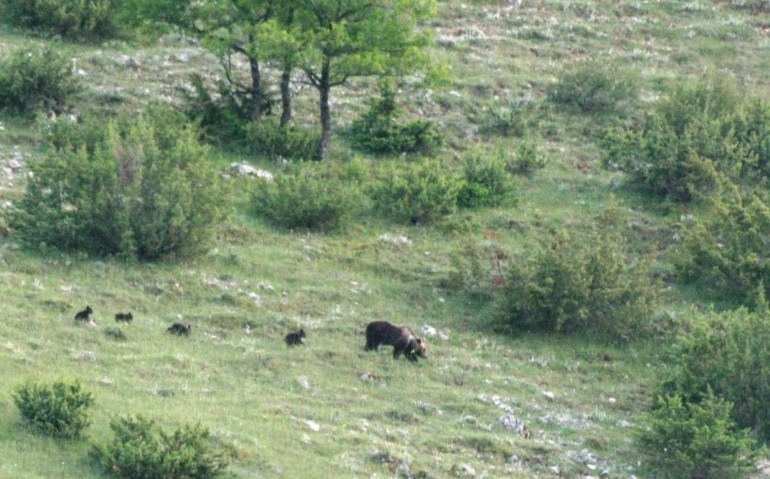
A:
[369,377]
[245,169]
[428,330]
[85,356]
[313,425]
[303,383]
[396,240]
[512,423]
[463,470]
[14,165]
[549,395]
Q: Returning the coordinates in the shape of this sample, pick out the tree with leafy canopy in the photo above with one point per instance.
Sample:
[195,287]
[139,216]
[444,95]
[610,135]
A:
[353,38]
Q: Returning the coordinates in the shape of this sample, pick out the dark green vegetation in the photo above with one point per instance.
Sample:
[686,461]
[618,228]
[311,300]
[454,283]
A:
[578,210]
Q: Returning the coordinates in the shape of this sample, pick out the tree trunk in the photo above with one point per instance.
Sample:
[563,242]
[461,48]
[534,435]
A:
[324,87]
[286,95]
[256,91]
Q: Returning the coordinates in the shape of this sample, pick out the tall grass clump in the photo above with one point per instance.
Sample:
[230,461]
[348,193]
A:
[596,87]
[140,450]
[310,197]
[36,78]
[80,19]
[57,409]
[580,282]
[142,189]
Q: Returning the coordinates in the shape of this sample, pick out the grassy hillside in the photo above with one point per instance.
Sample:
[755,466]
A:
[329,409]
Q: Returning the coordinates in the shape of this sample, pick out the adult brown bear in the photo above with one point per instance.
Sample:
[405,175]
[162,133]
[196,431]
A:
[402,339]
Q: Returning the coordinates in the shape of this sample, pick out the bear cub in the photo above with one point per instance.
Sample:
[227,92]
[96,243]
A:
[402,339]
[295,338]
[125,317]
[180,329]
[84,315]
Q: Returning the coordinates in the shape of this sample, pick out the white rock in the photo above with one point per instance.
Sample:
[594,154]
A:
[549,395]
[313,425]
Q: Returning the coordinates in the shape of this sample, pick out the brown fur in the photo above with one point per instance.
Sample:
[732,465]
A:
[84,315]
[402,339]
[180,329]
[125,317]
[295,338]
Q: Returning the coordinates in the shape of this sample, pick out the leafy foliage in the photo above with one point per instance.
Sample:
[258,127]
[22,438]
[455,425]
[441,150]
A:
[696,440]
[727,254]
[139,450]
[379,132]
[725,354]
[36,78]
[57,409]
[579,283]
[417,192]
[487,181]
[309,198]
[699,131]
[596,87]
[526,159]
[68,18]
[280,142]
[141,190]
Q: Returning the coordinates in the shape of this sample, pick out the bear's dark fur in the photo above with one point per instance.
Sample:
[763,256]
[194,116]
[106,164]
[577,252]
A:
[295,338]
[125,317]
[402,339]
[84,315]
[180,329]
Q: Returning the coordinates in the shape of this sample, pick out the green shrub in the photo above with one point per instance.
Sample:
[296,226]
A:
[139,450]
[727,254]
[143,190]
[725,354]
[526,159]
[516,117]
[580,282]
[696,440]
[699,131]
[378,130]
[596,87]
[417,192]
[277,142]
[36,78]
[309,198]
[57,409]
[487,181]
[68,18]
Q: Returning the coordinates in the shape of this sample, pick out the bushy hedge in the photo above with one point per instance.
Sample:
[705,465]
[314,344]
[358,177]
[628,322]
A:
[725,354]
[685,440]
[580,282]
[36,78]
[57,409]
[139,450]
[378,130]
[310,197]
[727,253]
[699,131]
[417,192]
[487,181]
[596,87]
[141,190]
[68,18]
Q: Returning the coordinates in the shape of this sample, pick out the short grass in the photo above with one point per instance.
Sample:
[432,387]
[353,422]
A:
[329,409]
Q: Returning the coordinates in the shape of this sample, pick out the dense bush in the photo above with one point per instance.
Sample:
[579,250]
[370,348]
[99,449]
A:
[515,117]
[417,192]
[727,254]
[36,78]
[580,282]
[142,190]
[725,354]
[311,197]
[526,159]
[68,18]
[378,130]
[139,450]
[699,130]
[57,409]
[695,440]
[596,87]
[269,139]
[486,180]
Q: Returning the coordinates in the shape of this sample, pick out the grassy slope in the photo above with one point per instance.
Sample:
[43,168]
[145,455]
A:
[440,416]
